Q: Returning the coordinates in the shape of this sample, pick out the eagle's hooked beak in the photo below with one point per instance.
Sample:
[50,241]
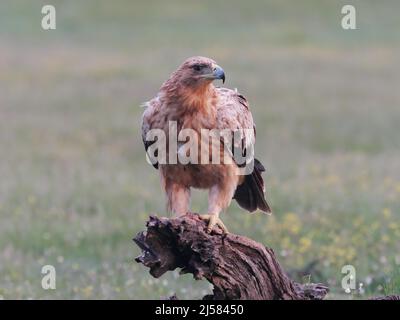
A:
[218,73]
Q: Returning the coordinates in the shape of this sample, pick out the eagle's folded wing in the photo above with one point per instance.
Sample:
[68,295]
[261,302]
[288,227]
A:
[150,120]
[233,114]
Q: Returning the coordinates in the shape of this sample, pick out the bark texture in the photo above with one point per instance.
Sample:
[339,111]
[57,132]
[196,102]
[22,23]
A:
[238,267]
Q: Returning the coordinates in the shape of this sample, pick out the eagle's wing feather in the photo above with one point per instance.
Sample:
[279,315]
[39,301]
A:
[150,120]
[233,113]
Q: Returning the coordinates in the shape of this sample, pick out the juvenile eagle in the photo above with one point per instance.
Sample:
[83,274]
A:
[190,99]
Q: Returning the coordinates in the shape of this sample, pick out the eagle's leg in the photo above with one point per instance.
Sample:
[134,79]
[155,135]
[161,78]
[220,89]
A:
[219,198]
[178,199]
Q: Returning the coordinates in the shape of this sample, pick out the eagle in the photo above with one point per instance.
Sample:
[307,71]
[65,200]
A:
[190,99]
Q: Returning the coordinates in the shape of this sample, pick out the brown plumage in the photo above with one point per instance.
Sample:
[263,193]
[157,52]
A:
[190,98]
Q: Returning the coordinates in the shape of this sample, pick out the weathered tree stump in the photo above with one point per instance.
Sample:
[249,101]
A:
[238,267]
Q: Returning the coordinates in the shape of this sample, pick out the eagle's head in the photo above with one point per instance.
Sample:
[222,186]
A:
[198,72]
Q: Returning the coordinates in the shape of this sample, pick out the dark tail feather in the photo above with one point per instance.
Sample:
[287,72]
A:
[250,194]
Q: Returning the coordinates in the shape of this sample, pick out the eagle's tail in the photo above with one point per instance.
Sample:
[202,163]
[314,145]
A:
[250,194]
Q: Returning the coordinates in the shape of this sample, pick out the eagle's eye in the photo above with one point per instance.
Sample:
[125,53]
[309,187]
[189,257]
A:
[197,67]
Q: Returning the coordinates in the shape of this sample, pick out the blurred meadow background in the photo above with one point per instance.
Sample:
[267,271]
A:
[74,183]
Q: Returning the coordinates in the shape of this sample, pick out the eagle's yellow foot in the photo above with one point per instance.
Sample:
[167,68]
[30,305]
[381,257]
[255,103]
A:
[213,220]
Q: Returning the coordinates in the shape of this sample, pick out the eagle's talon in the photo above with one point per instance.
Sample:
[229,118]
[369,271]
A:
[213,220]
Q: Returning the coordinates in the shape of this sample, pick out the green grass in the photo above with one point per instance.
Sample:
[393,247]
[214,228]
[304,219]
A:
[74,183]
[392,287]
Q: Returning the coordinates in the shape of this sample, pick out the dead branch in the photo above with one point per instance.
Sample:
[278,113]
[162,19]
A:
[238,267]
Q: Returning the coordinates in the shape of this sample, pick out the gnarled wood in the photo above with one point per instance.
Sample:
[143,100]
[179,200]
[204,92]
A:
[238,267]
